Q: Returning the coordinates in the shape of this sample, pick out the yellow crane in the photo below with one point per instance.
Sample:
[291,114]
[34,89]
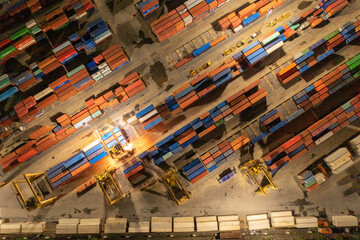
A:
[38,196]
[109,186]
[175,188]
[254,169]
[284,16]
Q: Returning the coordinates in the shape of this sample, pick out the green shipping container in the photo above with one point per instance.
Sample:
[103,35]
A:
[72,72]
[357,74]
[166,156]
[5,82]
[20,33]
[331,35]
[305,51]
[35,29]
[218,123]
[96,114]
[38,71]
[346,106]
[354,65]
[353,60]
[270,39]
[295,26]
[62,26]
[7,51]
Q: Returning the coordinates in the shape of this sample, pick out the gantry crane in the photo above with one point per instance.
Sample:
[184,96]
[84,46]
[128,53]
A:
[38,196]
[109,186]
[175,188]
[253,169]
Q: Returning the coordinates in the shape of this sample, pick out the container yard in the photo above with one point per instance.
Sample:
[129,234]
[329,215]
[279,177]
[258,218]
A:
[193,119]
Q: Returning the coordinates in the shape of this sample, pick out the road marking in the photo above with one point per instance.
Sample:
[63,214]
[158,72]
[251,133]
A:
[286,108]
[269,83]
[211,33]
[203,38]
[195,43]
[187,48]
[179,53]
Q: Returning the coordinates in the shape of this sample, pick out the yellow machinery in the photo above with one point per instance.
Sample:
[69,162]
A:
[194,72]
[230,50]
[3,184]
[254,168]
[273,23]
[109,186]
[38,197]
[175,188]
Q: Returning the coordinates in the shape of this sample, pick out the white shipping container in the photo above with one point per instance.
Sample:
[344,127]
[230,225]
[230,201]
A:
[343,167]
[336,154]
[229,226]
[30,23]
[66,228]
[135,227]
[206,219]
[279,222]
[69,221]
[238,28]
[345,221]
[323,138]
[207,226]
[259,224]
[256,217]
[161,224]
[91,145]
[150,114]
[320,178]
[340,161]
[10,228]
[280,214]
[43,93]
[30,227]
[275,47]
[228,218]
[89,228]
[306,222]
[61,46]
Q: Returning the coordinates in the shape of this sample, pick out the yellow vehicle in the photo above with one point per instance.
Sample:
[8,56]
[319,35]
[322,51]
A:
[230,50]
[174,187]
[194,72]
[273,23]
[254,169]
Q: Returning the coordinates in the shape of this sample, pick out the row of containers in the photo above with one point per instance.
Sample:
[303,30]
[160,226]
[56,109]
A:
[148,6]
[314,135]
[227,225]
[91,154]
[284,32]
[245,100]
[33,32]
[320,51]
[193,10]
[334,163]
[70,84]
[305,99]
[32,5]
[47,136]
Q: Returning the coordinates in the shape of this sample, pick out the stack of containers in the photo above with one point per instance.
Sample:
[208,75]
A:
[163,111]
[67,226]
[203,84]
[26,151]
[35,30]
[345,221]
[354,145]
[94,71]
[114,136]
[98,30]
[45,98]
[172,105]
[76,164]
[271,119]
[195,170]
[148,6]
[330,8]
[65,52]
[94,110]
[46,142]
[176,20]
[33,5]
[9,162]
[94,151]
[308,181]
[24,80]
[80,78]
[185,96]
[327,85]
[46,66]
[224,23]
[221,74]
[254,53]
[218,155]
[235,22]
[339,160]
[24,42]
[63,88]
[197,8]
[149,117]
[56,19]
[111,99]
[213,4]
[185,15]
[132,84]
[272,40]
[184,224]
[185,136]
[306,222]
[163,28]
[229,223]
[258,222]
[102,65]
[206,224]
[115,57]
[81,118]
[36,70]
[282,219]
[164,150]
[132,168]
[249,20]
[89,226]
[64,120]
